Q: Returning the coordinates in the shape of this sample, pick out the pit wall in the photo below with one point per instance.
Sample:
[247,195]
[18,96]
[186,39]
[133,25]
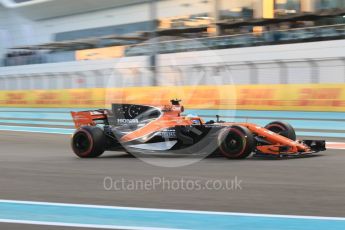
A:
[293,97]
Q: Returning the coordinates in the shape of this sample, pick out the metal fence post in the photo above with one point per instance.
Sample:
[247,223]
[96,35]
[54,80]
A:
[253,72]
[153,55]
[314,73]
[283,72]
[343,59]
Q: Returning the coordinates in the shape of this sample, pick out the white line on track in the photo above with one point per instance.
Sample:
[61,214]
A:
[47,223]
[335,145]
[172,210]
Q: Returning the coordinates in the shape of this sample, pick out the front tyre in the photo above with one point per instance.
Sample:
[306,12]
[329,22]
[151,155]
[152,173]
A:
[236,142]
[282,128]
[88,142]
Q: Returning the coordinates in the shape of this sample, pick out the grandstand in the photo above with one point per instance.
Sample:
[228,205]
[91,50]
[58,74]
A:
[78,48]
[117,29]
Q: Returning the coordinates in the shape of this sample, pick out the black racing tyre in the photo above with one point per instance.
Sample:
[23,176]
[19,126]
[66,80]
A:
[88,142]
[282,128]
[236,142]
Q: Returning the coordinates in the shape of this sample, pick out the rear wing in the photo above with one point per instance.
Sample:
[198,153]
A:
[90,118]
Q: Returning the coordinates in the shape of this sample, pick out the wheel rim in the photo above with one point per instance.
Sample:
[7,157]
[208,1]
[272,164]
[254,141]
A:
[81,142]
[233,144]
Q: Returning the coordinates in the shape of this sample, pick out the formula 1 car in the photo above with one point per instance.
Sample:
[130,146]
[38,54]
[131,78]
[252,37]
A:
[162,129]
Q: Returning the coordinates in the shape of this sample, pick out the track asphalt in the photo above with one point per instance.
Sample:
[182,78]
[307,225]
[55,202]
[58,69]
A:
[41,167]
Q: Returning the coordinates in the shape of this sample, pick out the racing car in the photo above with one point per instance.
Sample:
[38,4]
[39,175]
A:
[149,129]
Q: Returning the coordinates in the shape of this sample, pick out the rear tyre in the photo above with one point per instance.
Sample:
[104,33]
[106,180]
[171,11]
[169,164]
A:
[88,142]
[282,128]
[236,142]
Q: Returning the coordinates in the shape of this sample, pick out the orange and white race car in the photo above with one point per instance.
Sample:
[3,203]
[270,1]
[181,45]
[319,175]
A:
[147,129]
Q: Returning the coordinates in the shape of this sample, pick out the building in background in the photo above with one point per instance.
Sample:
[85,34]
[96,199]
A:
[48,31]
